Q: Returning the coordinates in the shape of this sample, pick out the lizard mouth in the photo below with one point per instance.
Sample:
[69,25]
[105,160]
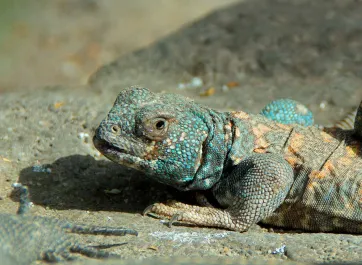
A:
[105,148]
[117,154]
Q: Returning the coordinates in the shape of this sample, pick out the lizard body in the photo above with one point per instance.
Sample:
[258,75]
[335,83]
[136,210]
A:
[256,169]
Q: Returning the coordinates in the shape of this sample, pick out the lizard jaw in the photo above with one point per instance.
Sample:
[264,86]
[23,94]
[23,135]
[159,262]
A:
[118,155]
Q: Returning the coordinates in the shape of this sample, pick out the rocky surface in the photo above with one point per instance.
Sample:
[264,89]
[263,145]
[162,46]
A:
[242,57]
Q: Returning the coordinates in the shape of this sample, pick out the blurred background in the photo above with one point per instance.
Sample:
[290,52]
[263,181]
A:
[46,42]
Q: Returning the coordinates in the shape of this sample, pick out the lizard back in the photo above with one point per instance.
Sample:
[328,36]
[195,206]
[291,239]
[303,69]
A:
[327,189]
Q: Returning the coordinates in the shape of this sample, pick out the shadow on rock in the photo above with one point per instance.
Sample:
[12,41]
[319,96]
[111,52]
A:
[81,182]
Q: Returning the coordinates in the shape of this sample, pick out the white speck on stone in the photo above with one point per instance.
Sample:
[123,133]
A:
[195,82]
[16,185]
[181,86]
[280,250]
[187,237]
[83,135]
[225,88]
[323,105]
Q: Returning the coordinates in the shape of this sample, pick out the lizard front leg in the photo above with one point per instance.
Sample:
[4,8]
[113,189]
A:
[250,192]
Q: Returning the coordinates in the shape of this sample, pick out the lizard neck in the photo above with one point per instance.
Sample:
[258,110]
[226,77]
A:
[233,136]
[214,151]
[241,139]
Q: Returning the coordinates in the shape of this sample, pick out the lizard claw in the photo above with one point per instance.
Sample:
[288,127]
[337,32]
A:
[148,209]
[151,210]
[176,217]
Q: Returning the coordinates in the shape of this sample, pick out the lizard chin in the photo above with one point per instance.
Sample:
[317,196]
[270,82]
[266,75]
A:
[147,165]
[118,155]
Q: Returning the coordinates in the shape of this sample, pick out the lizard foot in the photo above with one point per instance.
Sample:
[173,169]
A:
[193,214]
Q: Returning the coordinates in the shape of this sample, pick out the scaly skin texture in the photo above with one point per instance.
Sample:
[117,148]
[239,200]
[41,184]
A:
[254,168]
[25,238]
[288,111]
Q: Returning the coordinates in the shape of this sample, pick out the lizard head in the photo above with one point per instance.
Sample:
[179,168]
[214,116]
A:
[162,135]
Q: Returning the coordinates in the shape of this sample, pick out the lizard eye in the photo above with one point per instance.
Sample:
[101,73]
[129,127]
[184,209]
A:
[115,129]
[160,124]
[155,129]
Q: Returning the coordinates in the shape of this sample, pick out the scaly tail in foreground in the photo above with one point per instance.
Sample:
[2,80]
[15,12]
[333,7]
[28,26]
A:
[25,238]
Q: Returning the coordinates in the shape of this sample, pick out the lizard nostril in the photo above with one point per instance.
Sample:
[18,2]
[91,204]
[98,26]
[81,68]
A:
[115,129]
